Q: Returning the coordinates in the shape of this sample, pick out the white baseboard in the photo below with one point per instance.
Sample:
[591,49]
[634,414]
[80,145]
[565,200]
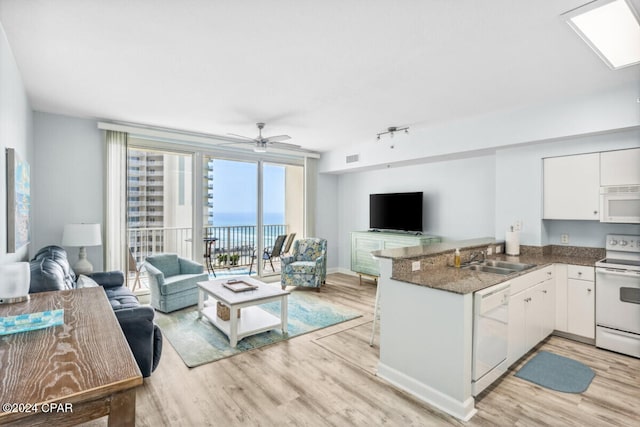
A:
[461,410]
[341,270]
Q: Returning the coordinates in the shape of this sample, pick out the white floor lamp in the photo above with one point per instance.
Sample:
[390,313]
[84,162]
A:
[82,235]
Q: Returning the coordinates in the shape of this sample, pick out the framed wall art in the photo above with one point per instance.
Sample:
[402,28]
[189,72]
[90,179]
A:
[18,201]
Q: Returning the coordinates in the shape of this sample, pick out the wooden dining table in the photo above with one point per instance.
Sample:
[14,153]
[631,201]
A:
[70,373]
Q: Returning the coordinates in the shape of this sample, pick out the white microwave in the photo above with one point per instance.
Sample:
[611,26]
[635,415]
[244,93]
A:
[620,204]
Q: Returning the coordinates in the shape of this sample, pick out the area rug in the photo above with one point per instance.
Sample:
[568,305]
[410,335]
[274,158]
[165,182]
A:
[198,342]
[557,373]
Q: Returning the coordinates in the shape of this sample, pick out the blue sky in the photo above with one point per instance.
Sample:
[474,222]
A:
[235,188]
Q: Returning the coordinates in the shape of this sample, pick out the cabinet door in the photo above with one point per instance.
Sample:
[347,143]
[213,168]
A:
[620,167]
[361,259]
[516,344]
[548,290]
[572,187]
[561,297]
[534,309]
[581,308]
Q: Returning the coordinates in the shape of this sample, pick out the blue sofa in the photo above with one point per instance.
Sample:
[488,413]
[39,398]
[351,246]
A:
[173,281]
[50,271]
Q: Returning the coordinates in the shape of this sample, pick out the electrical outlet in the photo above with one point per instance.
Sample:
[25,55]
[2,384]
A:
[498,249]
[517,226]
[564,239]
[415,266]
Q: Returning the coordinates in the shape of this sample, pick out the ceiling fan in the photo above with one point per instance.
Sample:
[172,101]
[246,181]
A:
[261,143]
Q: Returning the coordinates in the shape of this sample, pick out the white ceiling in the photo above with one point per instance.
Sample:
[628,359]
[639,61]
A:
[328,73]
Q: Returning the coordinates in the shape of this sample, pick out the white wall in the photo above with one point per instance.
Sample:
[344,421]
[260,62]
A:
[327,222]
[459,198]
[478,196]
[589,114]
[16,131]
[69,183]
[519,191]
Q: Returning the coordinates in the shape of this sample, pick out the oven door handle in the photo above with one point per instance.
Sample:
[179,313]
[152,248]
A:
[617,272]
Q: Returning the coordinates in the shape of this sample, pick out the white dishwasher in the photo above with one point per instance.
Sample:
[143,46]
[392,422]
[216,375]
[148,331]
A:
[490,334]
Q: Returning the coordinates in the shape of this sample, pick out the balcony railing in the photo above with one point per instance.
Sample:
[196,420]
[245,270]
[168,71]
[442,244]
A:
[235,245]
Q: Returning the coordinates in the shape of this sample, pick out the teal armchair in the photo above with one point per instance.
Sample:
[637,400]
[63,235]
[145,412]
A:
[173,281]
[307,264]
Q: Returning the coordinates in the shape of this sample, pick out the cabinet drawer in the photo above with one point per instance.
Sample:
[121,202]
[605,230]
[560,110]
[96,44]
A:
[581,272]
[531,278]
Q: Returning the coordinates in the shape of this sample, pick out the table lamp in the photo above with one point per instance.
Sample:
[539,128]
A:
[15,282]
[82,235]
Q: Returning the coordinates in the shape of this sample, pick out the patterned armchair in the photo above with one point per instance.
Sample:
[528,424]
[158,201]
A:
[307,264]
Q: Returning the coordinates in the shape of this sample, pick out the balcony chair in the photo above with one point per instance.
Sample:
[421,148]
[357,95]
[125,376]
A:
[275,251]
[135,268]
[173,281]
[287,245]
[209,253]
[307,264]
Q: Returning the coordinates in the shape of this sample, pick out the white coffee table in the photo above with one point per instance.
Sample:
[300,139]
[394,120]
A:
[253,319]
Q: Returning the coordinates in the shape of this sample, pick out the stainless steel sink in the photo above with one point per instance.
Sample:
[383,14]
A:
[516,266]
[489,269]
[499,267]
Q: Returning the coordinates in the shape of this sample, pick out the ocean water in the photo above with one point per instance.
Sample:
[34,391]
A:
[227,219]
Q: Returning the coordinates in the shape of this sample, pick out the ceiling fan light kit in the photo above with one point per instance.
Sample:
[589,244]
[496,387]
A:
[261,143]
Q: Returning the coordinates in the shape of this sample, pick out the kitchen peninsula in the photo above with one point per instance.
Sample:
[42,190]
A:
[426,329]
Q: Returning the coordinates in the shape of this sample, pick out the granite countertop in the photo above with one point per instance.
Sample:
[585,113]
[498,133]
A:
[432,249]
[463,281]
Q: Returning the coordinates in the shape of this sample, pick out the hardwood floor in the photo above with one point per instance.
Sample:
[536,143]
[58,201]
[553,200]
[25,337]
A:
[327,378]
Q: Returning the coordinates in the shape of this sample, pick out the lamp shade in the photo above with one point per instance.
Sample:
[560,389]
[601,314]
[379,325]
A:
[82,235]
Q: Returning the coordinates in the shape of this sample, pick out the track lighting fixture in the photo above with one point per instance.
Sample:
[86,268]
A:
[391,130]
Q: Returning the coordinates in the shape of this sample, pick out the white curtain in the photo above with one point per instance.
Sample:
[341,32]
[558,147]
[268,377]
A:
[116,202]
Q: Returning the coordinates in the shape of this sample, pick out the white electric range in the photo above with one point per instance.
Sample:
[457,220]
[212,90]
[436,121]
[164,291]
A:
[618,296]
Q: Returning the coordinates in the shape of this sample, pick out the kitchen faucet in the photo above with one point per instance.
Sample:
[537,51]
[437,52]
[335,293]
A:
[475,255]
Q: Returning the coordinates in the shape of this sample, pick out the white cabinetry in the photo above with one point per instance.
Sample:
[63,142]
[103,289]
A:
[620,167]
[572,187]
[581,318]
[560,271]
[531,311]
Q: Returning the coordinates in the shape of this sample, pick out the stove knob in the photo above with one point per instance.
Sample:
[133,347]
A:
[623,243]
[613,242]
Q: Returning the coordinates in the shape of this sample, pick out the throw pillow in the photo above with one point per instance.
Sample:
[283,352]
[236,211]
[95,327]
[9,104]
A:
[85,282]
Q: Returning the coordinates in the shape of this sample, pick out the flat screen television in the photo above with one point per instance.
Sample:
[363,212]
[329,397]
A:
[396,211]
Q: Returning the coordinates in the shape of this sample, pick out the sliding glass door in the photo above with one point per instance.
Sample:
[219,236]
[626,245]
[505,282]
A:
[224,210]
[159,205]
[282,195]
[230,216]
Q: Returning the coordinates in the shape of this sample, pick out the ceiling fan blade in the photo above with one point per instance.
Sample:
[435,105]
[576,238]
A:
[284,145]
[241,136]
[277,138]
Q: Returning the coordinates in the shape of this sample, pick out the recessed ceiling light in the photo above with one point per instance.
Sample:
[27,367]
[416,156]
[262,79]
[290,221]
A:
[611,28]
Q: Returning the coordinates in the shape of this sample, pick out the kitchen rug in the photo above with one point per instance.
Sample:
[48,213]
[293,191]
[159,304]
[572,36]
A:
[557,373]
[198,342]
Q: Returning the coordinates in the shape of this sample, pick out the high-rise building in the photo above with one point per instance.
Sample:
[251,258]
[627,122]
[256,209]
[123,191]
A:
[145,200]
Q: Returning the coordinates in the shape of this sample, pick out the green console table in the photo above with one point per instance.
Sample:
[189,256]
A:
[365,242]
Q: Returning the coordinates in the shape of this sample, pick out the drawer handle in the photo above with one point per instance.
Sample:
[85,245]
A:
[588,289]
[544,291]
[579,273]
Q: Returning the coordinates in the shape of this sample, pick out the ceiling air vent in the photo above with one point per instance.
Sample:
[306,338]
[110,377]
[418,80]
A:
[353,158]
